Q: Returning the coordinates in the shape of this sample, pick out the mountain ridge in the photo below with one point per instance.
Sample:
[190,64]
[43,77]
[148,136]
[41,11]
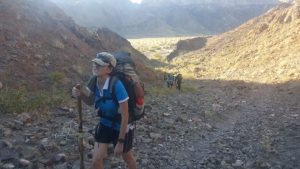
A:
[39,39]
[164,18]
[265,49]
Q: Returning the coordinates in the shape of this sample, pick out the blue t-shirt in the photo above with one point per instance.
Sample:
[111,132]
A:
[109,107]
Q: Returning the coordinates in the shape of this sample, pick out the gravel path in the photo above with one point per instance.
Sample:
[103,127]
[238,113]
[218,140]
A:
[220,125]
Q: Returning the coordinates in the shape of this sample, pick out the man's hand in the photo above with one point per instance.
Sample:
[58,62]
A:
[119,149]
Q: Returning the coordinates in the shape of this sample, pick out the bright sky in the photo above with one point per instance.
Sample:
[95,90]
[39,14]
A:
[136,1]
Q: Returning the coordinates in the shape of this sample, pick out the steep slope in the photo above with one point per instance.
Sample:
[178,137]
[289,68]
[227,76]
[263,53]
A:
[188,45]
[164,18]
[265,49]
[38,39]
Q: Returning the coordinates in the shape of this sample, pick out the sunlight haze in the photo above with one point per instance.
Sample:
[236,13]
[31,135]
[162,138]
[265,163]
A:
[136,1]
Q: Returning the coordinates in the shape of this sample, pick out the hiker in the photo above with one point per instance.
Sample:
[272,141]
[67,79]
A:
[170,80]
[178,81]
[165,76]
[116,131]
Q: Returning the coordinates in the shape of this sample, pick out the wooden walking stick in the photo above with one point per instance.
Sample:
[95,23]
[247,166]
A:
[80,131]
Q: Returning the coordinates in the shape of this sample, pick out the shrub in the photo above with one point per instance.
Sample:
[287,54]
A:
[56,78]
[12,100]
[161,89]
[20,100]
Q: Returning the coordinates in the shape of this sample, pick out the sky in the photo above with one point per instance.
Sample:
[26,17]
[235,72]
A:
[136,1]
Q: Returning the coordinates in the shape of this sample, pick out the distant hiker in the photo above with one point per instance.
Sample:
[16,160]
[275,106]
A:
[115,129]
[165,76]
[170,80]
[178,81]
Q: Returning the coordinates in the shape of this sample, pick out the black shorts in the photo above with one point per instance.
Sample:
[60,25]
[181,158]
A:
[104,134]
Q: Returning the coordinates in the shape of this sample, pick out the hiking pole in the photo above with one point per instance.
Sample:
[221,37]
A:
[204,119]
[80,131]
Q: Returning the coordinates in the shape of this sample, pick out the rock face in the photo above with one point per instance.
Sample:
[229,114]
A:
[164,17]
[37,39]
[185,46]
[265,49]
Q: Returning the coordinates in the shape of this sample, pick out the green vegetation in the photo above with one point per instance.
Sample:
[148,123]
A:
[266,144]
[157,56]
[186,88]
[210,113]
[56,78]
[152,50]
[156,48]
[21,100]
[161,89]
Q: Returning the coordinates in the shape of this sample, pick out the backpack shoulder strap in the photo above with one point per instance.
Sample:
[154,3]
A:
[111,87]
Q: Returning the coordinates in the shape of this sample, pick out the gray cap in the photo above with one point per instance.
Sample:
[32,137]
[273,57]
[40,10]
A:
[105,59]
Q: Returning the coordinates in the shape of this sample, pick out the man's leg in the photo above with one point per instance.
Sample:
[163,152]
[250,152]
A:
[99,155]
[129,159]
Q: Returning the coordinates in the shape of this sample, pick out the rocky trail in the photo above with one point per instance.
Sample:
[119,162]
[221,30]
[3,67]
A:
[222,124]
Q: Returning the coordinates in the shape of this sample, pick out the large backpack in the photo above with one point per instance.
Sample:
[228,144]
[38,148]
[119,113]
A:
[126,73]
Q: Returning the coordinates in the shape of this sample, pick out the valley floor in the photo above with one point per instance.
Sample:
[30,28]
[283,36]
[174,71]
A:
[223,124]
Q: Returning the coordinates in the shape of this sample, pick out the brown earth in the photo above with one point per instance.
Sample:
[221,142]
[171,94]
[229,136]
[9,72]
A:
[188,45]
[221,124]
[265,49]
[37,39]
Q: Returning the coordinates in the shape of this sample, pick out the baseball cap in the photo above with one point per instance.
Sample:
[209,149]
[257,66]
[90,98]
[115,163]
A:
[105,59]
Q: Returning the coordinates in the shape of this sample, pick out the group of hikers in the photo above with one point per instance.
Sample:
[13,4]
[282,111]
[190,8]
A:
[171,79]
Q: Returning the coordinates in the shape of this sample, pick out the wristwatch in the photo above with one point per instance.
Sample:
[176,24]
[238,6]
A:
[121,140]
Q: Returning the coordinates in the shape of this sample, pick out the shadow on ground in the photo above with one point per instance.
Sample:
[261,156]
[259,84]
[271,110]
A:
[220,124]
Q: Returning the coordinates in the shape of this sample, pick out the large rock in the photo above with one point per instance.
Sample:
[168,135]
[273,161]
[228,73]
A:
[24,117]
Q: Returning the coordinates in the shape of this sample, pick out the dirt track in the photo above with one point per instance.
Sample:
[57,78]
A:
[223,124]
[247,126]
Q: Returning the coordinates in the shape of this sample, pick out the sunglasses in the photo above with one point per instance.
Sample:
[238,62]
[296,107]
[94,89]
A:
[96,66]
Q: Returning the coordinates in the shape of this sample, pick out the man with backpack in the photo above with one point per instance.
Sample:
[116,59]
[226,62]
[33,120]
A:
[178,81]
[111,90]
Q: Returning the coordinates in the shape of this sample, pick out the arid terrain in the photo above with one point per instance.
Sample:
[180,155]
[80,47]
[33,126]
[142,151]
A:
[156,48]
[218,124]
[265,50]
[238,108]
